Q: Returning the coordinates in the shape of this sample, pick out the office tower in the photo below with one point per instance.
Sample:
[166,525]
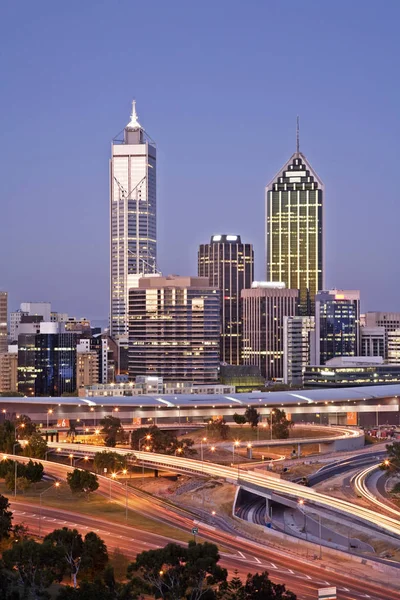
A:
[133,217]
[41,309]
[229,266]
[337,325]
[297,334]
[264,307]
[388,320]
[47,364]
[294,230]
[87,365]
[373,341]
[174,329]
[3,322]
[8,371]
[393,346]
[29,312]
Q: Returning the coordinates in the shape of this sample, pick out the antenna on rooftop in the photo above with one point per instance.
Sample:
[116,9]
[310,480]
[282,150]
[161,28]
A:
[298,135]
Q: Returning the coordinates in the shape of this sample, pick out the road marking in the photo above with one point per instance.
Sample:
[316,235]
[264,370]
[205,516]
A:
[255,558]
[275,567]
[241,554]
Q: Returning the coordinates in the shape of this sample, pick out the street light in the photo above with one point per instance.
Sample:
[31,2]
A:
[113,476]
[71,457]
[179,451]
[145,437]
[125,472]
[236,444]
[272,415]
[49,412]
[204,439]
[56,485]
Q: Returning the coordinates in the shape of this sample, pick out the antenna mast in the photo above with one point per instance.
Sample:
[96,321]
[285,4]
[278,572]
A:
[298,136]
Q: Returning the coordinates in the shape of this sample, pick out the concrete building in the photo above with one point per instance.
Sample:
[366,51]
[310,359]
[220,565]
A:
[294,229]
[87,368]
[3,322]
[349,371]
[229,266]
[41,309]
[297,333]
[133,244]
[29,312]
[373,341]
[393,347]
[9,371]
[174,329]
[337,325]
[264,307]
[388,320]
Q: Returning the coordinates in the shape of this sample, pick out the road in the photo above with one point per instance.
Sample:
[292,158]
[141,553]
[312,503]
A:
[258,482]
[304,578]
[360,485]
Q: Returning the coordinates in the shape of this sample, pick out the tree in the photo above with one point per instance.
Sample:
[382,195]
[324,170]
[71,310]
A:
[234,589]
[107,459]
[260,587]
[7,437]
[252,416]
[86,591]
[6,517]
[33,471]
[176,572]
[392,463]
[239,419]
[28,427]
[221,427]
[69,544]
[37,566]
[94,556]
[162,442]
[36,446]
[280,424]
[82,482]
[113,430]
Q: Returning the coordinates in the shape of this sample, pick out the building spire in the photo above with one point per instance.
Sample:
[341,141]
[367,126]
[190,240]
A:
[134,123]
[298,135]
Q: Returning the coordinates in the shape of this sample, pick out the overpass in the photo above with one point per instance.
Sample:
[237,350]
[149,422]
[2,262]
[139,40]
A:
[255,482]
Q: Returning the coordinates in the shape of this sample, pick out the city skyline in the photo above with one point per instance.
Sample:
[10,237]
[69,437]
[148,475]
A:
[203,184]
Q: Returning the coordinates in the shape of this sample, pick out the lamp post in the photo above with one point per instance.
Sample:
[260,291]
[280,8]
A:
[125,472]
[56,485]
[236,444]
[145,437]
[204,439]
[15,469]
[49,412]
[301,503]
[272,415]
[113,476]
[71,458]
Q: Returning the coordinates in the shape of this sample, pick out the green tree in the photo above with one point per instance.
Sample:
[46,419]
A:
[176,572]
[252,416]
[37,566]
[87,591]
[280,424]
[94,556]
[234,589]
[33,471]
[7,436]
[107,459]
[36,446]
[82,482]
[6,517]
[161,441]
[67,543]
[28,426]
[220,427]
[239,419]
[260,587]
[113,430]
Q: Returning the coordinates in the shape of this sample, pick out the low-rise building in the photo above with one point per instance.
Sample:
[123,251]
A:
[352,371]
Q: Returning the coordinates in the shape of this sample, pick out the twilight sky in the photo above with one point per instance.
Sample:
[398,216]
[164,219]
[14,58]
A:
[218,85]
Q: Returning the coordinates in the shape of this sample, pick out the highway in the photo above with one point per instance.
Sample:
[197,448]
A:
[254,481]
[302,577]
[360,485]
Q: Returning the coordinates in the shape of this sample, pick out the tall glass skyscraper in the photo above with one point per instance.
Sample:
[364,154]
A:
[133,217]
[294,230]
[229,266]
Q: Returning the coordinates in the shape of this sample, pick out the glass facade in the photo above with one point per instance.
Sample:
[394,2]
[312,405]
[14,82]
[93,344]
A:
[133,218]
[294,230]
[174,329]
[229,266]
[351,376]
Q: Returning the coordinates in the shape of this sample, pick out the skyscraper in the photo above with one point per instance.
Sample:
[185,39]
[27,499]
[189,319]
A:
[3,322]
[297,335]
[264,307]
[174,329]
[294,229]
[337,325]
[229,266]
[133,217]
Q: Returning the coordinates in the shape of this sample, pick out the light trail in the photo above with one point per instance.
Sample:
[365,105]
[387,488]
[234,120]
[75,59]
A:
[360,485]
[256,482]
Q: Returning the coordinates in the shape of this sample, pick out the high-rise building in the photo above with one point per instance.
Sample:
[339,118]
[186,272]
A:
[297,335]
[133,217]
[3,322]
[47,364]
[337,325]
[388,320]
[264,307]
[174,329]
[8,371]
[373,341]
[229,266]
[294,230]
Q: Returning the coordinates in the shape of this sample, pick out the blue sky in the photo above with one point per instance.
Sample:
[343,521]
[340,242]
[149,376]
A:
[218,86]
